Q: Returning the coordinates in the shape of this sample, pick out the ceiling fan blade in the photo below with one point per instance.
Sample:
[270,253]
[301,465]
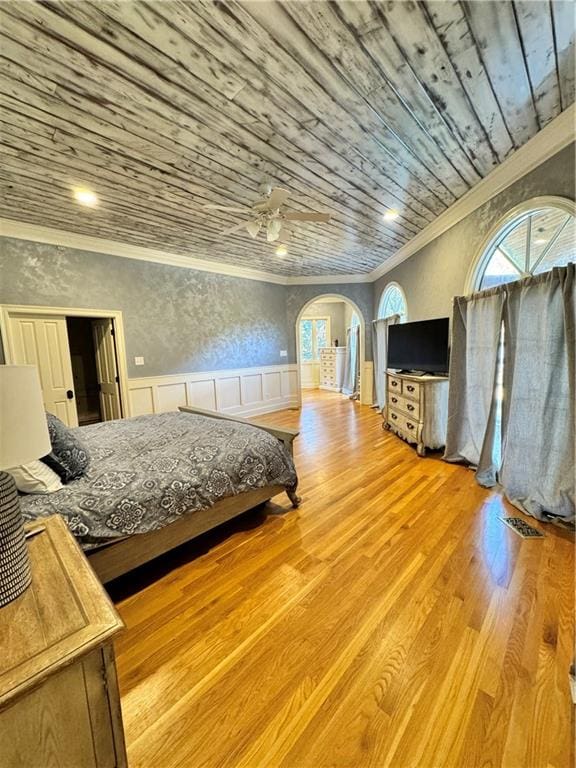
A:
[273,230]
[278,197]
[253,228]
[212,207]
[235,228]
[305,216]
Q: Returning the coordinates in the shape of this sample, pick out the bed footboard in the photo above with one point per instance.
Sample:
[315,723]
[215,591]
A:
[113,560]
[285,434]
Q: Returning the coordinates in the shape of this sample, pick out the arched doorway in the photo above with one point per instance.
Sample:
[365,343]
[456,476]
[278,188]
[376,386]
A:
[327,298]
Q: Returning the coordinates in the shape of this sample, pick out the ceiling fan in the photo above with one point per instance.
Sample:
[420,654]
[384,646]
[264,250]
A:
[266,215]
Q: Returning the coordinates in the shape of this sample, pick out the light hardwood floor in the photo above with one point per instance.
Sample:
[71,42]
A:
[392,620]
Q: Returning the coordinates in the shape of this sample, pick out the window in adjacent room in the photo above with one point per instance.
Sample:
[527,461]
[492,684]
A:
[393,302]
[314,335]
[529,243]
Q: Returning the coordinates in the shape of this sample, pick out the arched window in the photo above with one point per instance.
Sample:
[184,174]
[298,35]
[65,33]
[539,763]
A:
[528,242]
[393,302]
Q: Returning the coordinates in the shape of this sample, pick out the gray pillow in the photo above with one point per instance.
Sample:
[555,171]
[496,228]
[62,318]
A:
[69,457]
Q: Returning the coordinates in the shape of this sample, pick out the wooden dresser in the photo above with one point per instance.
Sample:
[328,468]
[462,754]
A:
[332,361]
[59,701]
[417,409]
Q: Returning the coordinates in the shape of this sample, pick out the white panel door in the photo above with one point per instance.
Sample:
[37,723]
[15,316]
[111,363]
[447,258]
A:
[107,368]
[42,340]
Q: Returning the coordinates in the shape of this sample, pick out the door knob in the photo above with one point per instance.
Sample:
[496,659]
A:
[70,394]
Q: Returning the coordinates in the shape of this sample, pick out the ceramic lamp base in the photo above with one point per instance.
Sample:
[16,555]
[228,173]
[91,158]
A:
[15,576]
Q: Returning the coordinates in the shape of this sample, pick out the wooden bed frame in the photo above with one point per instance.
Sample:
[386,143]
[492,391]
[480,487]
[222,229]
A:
[116,559]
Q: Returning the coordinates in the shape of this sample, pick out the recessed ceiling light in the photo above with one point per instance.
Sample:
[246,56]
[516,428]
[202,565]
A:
[391,214]
[85,197]
[281,250]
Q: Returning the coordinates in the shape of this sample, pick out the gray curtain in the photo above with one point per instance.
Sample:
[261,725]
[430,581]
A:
[380,355]
[537,470]
[530,450]
[472,403]
[352,366]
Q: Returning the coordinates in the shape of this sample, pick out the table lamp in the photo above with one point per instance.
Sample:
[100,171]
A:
[23,438]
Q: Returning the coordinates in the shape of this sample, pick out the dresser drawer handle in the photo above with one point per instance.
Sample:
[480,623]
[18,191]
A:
[394,399]
[410,426]
[394,416]
[410,407]
[410,388]
[393,383]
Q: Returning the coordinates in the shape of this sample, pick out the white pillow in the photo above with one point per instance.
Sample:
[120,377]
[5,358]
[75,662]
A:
[35,477]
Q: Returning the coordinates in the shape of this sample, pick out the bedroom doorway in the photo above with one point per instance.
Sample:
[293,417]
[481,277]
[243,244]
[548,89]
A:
[79,355]
[330,347]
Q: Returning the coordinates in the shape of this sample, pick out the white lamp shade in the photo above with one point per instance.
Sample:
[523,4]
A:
[23,429]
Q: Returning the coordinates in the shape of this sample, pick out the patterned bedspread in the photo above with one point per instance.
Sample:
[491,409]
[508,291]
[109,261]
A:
[147,471]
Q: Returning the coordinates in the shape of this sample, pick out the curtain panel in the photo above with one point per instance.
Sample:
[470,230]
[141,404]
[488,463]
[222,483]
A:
[518,431]
[352,364]
[538,415]
[380,355]
[472,403]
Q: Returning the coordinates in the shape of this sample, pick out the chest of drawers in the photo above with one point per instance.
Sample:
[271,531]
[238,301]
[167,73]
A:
[59,700]
[417,409]
[332,361]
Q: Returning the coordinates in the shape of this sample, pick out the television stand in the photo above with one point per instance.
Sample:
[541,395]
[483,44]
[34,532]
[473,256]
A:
[417,409]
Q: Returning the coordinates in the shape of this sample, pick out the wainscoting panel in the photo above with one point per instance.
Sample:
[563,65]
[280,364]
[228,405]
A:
[310,373]
[229,393]
[367,384]
[170,396]
[202,394]
[273,385]
[141,400]
[289,382]
[245,391]
[252,388]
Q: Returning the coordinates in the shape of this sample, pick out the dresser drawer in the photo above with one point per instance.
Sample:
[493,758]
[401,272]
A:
[408,407]
[395,385]
[411,389]
[410,427]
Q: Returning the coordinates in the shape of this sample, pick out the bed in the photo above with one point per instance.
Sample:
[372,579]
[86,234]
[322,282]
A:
[157,481]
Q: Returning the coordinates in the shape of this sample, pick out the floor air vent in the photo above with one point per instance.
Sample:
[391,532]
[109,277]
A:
[522,528]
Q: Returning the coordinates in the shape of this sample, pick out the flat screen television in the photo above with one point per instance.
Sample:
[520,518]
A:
[421,347]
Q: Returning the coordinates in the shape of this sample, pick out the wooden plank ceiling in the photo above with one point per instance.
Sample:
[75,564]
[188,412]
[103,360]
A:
[355,107]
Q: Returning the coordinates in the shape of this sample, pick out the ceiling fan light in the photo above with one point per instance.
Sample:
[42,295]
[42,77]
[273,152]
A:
[391,214]
[273,230]
[253,227]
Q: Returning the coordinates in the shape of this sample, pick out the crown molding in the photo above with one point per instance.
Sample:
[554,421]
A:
[24,231]
[550,140]
[559,133]
[328,279]
[20,230]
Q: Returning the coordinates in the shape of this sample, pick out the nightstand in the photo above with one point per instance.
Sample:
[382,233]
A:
[59,700]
